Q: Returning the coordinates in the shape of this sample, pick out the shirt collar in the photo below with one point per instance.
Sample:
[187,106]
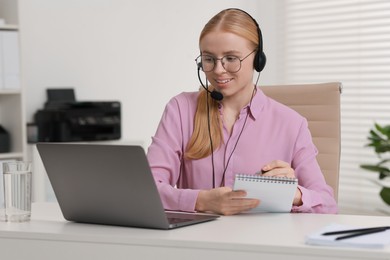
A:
[257,105]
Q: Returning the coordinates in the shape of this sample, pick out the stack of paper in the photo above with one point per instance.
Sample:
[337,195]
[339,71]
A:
[375,240]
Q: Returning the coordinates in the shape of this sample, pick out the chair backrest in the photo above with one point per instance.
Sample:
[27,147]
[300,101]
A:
[320,105]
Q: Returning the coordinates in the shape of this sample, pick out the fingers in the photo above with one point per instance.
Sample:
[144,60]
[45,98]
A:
[276,164]
[298,198]
[278,168]
[228,202]
[237,203]
[237,194]
[236,206]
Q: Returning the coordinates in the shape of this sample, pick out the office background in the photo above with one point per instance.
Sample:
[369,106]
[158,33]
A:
[142,53]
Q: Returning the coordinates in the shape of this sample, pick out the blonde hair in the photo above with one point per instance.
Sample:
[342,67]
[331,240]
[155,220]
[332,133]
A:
[233,21]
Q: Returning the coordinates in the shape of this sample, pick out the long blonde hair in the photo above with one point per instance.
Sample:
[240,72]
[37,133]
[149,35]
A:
[199,146]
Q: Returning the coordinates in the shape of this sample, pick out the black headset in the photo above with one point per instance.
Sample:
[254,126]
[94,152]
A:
[258,62]
[260,58]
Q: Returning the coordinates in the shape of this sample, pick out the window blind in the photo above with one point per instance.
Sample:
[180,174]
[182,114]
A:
[346,41]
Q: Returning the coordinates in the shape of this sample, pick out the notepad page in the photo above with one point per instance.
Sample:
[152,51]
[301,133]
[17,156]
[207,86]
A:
[275,194]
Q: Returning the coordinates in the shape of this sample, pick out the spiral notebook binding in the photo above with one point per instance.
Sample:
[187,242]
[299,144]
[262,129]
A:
[268,179]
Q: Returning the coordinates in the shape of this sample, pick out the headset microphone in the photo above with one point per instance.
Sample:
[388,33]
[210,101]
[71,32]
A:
[213,94]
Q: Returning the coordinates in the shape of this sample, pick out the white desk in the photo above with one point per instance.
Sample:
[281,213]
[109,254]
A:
[266,236]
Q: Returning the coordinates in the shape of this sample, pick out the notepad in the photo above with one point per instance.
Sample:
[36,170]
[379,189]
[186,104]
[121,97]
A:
[276,194]
[375,240]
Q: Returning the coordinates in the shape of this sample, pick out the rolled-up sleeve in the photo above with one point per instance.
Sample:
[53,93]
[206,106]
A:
[317,196]
[165,155]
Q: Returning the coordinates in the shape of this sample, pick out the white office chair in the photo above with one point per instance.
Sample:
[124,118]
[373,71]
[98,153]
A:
[320,105]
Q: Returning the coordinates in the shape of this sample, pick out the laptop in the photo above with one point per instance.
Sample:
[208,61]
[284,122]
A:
[109,184]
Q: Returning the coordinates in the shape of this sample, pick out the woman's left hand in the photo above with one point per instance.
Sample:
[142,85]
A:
[280,168]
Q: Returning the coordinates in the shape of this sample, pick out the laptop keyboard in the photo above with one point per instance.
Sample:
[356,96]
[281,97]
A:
[174,217]
[178,220]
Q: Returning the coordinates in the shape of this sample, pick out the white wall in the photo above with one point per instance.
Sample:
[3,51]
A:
[138,52]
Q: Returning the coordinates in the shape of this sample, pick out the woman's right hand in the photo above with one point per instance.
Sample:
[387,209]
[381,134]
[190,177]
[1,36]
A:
[224,201]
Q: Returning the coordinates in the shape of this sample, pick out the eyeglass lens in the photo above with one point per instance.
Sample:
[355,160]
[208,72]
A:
[229,63]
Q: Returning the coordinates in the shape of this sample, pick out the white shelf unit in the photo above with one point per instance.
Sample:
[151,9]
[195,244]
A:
[12,115]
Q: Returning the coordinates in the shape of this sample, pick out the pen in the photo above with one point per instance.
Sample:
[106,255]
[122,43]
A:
[356,232]
[361,233]
[261,172]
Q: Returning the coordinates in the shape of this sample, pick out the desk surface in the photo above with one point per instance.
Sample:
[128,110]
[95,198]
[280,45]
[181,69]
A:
[275,236]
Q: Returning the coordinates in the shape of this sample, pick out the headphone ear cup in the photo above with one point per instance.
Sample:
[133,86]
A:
[259,61]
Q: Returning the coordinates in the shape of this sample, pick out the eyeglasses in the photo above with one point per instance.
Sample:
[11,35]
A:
[230,63]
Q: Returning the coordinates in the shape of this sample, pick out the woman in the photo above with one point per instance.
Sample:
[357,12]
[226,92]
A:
[201,143]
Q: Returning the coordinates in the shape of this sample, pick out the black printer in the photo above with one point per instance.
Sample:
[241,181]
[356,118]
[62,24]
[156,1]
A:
[64,119]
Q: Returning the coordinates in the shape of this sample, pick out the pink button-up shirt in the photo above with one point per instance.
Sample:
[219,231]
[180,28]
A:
[272,132]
